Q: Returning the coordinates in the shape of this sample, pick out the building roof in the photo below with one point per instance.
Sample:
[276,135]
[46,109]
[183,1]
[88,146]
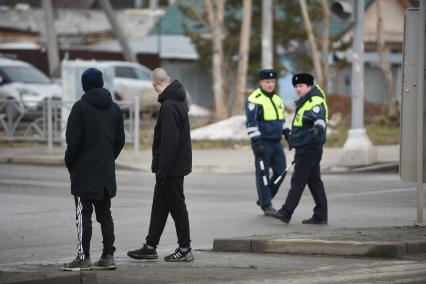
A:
[167,46]
[136,23]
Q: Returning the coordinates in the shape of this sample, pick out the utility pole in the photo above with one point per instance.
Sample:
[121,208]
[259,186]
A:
[118,32]
[358,149]
[267,39]
[52,44]
[420,114]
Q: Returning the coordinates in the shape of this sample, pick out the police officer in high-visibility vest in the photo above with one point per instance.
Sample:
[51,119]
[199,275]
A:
[265,126]
[307,136]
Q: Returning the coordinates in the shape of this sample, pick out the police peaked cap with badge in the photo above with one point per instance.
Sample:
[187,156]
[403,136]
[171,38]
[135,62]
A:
[303,78]
[267,74]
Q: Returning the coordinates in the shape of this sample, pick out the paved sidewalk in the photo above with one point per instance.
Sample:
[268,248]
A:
[239,160]
[387,242]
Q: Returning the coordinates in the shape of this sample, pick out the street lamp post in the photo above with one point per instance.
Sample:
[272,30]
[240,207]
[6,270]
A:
[358,149]
[267,34]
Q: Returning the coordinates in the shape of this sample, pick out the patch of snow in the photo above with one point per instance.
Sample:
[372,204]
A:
[19,45]
[233,128]
[197,111]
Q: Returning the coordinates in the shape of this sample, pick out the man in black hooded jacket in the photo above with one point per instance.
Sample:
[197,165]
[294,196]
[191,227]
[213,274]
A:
[95,137]
[171,161]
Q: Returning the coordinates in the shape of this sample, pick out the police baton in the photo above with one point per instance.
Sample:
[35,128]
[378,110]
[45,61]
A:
[262,172]
[281,176]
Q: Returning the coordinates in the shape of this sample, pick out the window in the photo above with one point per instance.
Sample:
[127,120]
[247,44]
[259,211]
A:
[25,74]
[125,72]
[143,75]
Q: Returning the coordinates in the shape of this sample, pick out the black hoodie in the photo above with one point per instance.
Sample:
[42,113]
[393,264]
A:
[95,137]
[171,148]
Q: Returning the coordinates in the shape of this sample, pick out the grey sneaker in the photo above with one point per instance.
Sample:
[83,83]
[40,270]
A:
[179,256]
[269,211]
[77,265]
[106,262]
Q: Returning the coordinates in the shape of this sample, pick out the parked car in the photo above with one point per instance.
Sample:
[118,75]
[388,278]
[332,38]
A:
[130,80]
[26,84]
[133,79]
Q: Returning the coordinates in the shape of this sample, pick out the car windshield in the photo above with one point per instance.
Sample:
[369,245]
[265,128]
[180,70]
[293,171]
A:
[143,75]
[24,74]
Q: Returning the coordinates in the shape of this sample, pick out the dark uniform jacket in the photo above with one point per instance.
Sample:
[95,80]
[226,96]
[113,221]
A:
[95,137]
[314,116]
[265,117]
[171,148]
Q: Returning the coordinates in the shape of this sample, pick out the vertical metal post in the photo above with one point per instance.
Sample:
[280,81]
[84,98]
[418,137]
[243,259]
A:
[358,149]
[49,126]
[420,114]
[358,67]
[267,39]
[50,33]
[136,125]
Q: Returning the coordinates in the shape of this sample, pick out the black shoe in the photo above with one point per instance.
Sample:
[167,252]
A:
[281,216]
[180,256]
[315,221]
[269,210]
[143,253]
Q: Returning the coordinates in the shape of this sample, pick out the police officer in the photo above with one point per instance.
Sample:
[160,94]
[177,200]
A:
[308,137]
[265,126]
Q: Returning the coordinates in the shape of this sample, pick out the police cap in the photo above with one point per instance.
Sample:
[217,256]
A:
[303,78]
[266,74]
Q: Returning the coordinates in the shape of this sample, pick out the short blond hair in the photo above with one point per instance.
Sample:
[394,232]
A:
[160,76]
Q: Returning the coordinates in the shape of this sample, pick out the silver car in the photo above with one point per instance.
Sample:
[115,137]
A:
[25,84]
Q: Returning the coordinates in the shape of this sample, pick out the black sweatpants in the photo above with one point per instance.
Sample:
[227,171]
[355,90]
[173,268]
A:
[169,198]
[307,171]
[84,209]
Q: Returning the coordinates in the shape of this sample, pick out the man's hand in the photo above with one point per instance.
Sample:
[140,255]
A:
[314,132]
[259,150]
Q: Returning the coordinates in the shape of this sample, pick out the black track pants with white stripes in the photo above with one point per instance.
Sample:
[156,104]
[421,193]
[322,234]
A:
[84,209]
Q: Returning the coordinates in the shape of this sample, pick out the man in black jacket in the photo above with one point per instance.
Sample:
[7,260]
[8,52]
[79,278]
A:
[95,137]
[171,161]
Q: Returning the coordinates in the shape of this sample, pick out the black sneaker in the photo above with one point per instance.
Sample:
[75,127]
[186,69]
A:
[106,262]
[315,221]
[143,253]
[179,256]
[281,216]
[269,210]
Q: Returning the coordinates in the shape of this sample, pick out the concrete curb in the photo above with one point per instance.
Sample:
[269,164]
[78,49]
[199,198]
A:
[49,278]
[46,160]
[323,247]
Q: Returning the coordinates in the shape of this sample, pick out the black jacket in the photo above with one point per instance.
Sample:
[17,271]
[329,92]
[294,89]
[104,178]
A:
[95,137]
[171,148]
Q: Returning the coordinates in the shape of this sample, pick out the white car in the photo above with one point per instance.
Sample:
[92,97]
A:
[130,80]
[26,84]
[133,79]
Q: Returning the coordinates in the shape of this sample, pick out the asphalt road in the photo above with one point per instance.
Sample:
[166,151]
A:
[37,227]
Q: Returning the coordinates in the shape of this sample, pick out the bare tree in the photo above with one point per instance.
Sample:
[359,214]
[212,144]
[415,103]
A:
[312,43]
[383,50]
[325,41]
[243,58]
[215,17]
